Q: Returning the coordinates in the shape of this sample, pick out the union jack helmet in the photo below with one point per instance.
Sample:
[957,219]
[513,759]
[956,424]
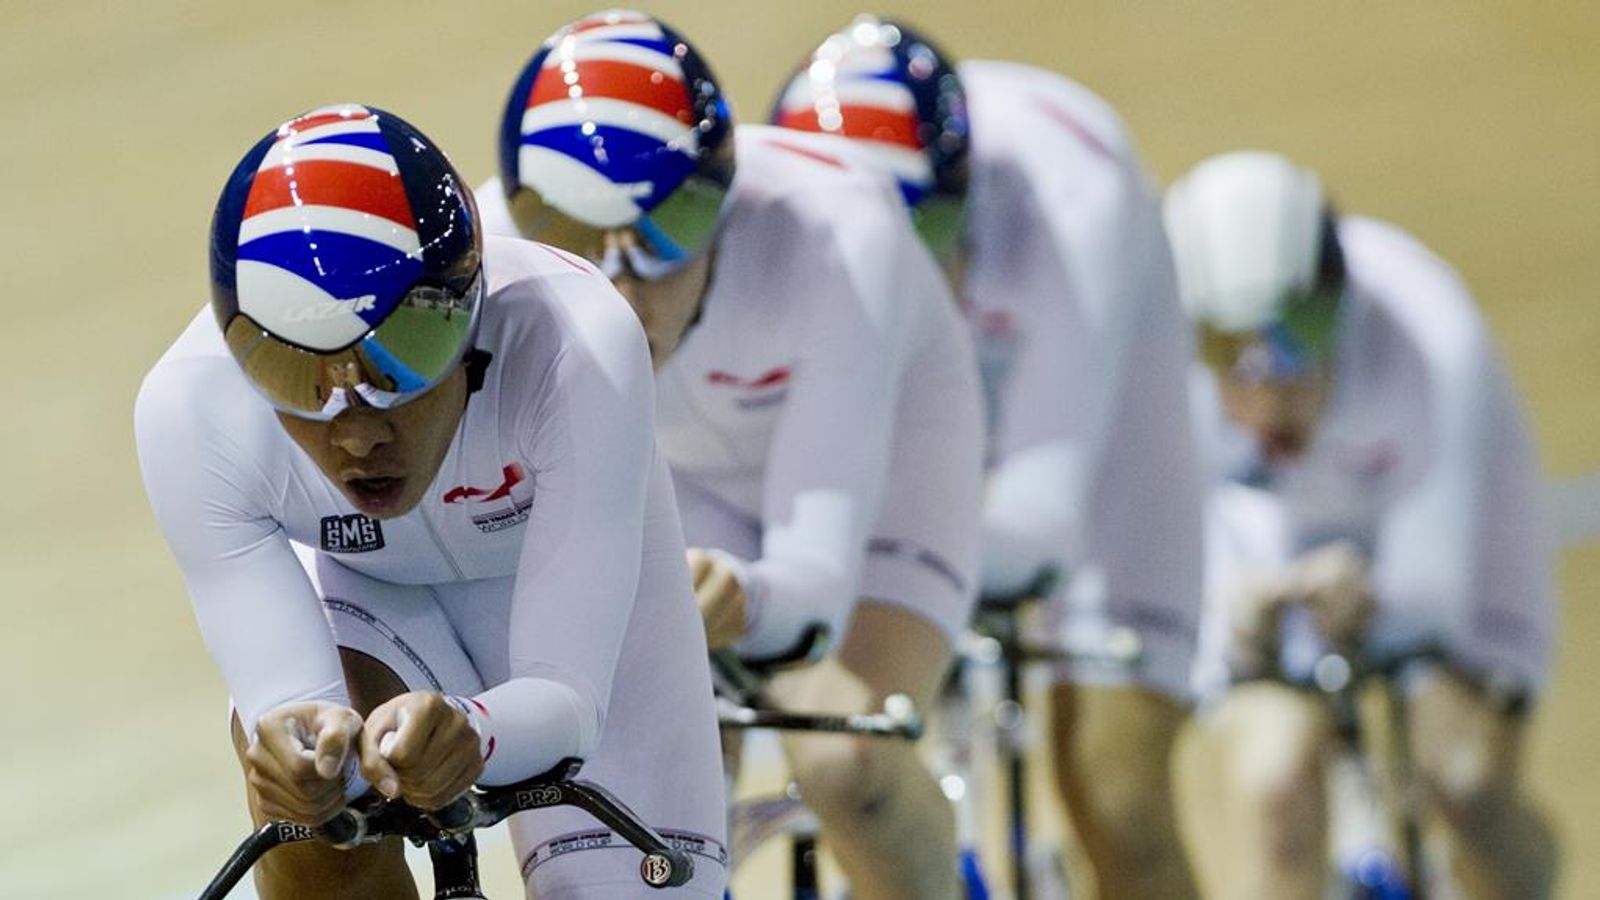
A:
[618,124]
[883,84]
[345,262]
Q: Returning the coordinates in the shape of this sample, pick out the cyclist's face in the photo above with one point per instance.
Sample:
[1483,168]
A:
[1281,413]
[666,306]
[383,460]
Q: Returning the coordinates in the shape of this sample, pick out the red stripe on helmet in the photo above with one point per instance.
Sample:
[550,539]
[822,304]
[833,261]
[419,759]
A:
[615,81]
[331,183]
[870,123]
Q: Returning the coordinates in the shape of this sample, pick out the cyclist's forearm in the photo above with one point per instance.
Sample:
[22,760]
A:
[527,725]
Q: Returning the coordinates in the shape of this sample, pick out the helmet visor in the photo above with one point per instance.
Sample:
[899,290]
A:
[663,240]
[1303,338]
[940,219]
[414,348]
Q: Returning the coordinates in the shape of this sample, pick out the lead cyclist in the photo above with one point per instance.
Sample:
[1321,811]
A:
[455,434]
[817,398]
[1373,467]
[1028,188]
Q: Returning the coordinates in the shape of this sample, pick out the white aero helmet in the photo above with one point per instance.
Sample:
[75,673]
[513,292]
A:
[1256,251]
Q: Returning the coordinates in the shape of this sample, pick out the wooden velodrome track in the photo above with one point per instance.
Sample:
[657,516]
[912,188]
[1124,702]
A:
[1474,124]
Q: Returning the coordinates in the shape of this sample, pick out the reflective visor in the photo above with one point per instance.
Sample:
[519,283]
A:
[664,239]
[1302,338]
[414,348]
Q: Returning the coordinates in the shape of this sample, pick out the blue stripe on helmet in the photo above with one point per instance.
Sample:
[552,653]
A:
[622,155]
[659,45]
[371,140]
[343,265]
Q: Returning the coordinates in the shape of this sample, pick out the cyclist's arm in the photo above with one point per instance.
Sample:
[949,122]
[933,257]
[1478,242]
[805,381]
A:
[1466,545]
[588,441]
[1077,270]
[829,455]
[258,613]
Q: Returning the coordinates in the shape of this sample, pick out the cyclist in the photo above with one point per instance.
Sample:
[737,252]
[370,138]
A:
[1051,236]
[1377,471]
[457,433]
[816,397]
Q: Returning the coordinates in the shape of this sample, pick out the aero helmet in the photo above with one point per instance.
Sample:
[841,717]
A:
[617,125]
[892,90]
[1258,259]
[345,256]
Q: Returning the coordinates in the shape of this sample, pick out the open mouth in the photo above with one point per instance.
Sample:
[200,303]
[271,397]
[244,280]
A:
[376,495]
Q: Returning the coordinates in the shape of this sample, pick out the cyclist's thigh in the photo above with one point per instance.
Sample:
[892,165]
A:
[1273,736]
[658,750]
[1462,741]
[887,649]
[401,626]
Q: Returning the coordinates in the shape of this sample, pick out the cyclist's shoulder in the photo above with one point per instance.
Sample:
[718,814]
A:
[195,403]
[1418,292]
[782,161]
[789,179]
[1025,116]
[195,372]
[546,304]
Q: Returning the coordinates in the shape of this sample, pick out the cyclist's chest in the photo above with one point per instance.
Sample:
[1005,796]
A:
[1360,465]
[720,398]
[470,523]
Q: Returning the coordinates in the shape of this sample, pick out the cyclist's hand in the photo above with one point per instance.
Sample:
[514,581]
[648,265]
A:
[421,749]
[721,598]
[1257,607]
[1333,582]
[297,760]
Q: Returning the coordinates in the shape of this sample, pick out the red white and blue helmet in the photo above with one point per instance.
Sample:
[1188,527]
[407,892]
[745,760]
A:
[345,258]
[886,86]
[617,124]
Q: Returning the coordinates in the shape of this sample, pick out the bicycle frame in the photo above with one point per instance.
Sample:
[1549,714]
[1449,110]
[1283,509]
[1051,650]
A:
[997,639]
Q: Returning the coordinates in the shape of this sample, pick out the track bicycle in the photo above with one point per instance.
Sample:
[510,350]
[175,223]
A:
[448,833]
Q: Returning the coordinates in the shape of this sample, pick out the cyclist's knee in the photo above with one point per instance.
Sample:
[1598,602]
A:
[1464,787]
[1464,753]
[1275,768]
[850,776]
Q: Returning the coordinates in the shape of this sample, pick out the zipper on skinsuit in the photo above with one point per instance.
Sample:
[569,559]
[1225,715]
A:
[438,541]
